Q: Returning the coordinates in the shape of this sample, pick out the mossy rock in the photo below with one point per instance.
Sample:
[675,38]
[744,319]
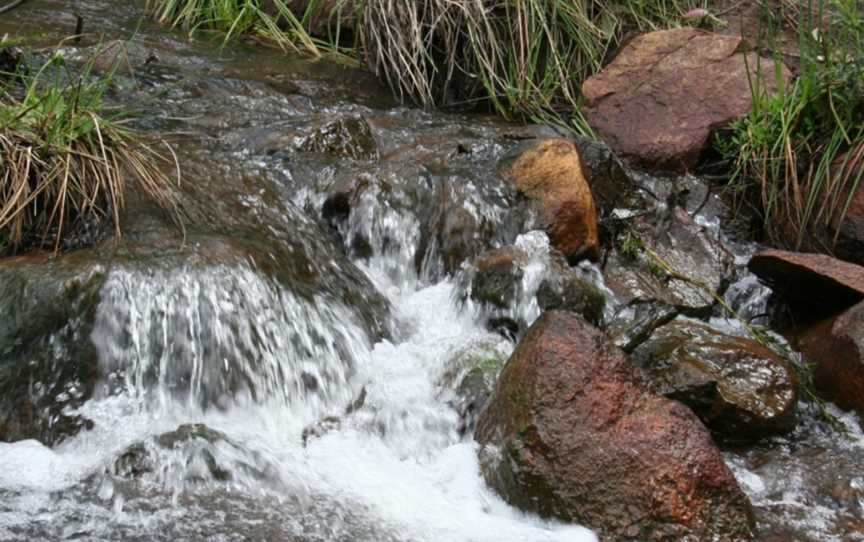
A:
[472,375]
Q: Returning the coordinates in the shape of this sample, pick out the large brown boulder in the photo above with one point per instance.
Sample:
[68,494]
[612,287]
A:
[815,285]
[572,431]
[738,387]
[549,174]
[836,349]
[658,101]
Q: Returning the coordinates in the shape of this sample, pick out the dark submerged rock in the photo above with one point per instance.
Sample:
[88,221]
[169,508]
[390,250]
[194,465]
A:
[47,362]
[349,137]
[332,423]
[201,461]
[739,388]
[10,59]
[121,56]
[471,374]
[496,281]
[498,277]
[572,431]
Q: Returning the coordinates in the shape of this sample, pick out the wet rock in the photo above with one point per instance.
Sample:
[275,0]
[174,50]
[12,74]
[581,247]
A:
[192,451]
[635,323]
[472,374]
[550,175]
[670,259]
[47,362]
[564,289]
[681,84]
[89,315]
[739,388]
[121,56]
[458,237]
[611,184]
[433,222]
[456,227]
[321,137]
[10,59]
[836,349]
[506,281]
[814,285]
[332,423]
[573,432]
[499,276]
[349,137]
[134,462]
[450,233]
[320,428]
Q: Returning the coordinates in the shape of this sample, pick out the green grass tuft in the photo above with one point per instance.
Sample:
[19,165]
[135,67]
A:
[799,155]
[65,158]
[272,20]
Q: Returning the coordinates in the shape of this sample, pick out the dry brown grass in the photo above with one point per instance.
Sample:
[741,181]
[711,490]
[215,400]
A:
[65,157]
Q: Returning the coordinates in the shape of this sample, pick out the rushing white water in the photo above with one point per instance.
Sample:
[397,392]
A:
[228,348]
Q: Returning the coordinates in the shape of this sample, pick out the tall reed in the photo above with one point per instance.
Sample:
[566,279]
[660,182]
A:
[800,153]
[522,58]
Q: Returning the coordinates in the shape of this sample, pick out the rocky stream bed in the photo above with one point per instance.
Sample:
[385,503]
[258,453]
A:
[387,324]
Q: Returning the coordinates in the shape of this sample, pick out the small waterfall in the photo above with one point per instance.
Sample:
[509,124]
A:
[217,335]
[539,266]
[385,235]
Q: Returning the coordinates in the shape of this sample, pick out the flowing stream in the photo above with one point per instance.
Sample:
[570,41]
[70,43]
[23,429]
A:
[254,383]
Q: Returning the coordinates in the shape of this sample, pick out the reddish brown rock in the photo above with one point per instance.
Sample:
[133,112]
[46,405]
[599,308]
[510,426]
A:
[550,175]
[658,101]
[573,432]
[836,349]
[814,284]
